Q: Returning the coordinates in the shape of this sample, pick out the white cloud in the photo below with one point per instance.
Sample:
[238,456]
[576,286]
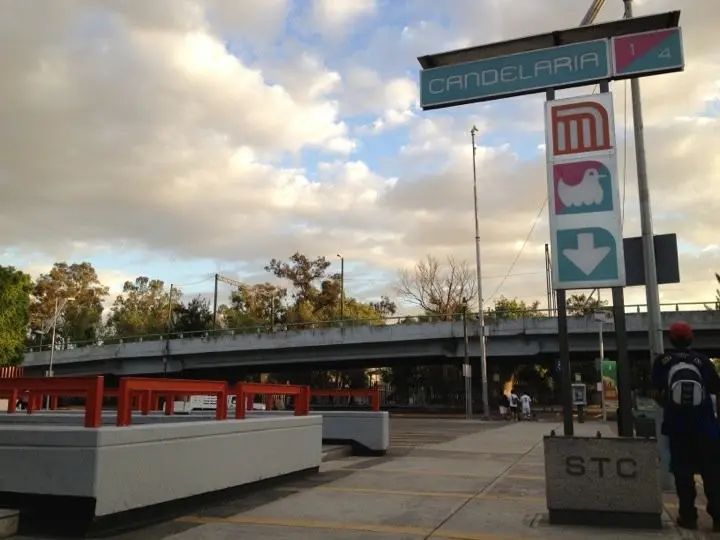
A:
[334,17]
[133,126]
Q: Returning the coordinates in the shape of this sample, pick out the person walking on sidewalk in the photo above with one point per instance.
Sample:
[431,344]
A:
[684,382]
[525,401]
[514,402]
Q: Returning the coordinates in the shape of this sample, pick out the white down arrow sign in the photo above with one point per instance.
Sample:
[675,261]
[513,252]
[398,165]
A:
[586,256]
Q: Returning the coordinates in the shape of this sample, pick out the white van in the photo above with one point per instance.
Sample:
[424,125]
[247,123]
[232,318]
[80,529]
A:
[207,403]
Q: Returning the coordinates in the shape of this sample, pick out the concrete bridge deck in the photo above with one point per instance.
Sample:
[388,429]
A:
[422,342]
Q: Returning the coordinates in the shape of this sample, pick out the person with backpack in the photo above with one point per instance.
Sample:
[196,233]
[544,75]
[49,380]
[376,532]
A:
[684,382]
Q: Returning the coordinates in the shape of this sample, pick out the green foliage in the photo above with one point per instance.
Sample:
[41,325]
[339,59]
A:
[315,295]
[75,290]
[195,316]
[512,308]
[254,305]
[15,290]
[144,307]
[581,305]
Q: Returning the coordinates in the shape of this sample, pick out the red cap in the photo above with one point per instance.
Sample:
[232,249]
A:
[681,331]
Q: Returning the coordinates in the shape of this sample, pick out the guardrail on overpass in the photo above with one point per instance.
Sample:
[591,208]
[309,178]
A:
[491,318]
[430,341]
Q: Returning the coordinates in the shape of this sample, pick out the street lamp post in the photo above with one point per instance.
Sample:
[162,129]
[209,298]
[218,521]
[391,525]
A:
[652,292]
[52,342]
[58,308]
[478,268]
[466,363]
[342,288]
[602,317]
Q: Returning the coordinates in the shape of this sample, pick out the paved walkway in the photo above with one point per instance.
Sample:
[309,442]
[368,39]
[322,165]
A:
[483,486]
[488,485]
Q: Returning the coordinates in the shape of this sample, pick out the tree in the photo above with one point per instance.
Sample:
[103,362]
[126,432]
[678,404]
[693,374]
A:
[384,307]
[144,307]
[303,273]
[316,294]
[254,305]
[581,305]
[316,297]
[507,308]
[437,289]
[15,290]
[81,318]
[195,316]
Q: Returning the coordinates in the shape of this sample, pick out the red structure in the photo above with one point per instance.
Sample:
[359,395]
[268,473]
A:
[246,393]
[169,389]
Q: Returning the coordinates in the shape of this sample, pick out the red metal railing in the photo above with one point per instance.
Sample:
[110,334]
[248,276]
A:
[168,388]
[246,393]
[11,372]
[372,393]
[91,388]
[144,394]
[141,401]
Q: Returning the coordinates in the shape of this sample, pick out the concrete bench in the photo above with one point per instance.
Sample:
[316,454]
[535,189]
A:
[98,477]
[367,431]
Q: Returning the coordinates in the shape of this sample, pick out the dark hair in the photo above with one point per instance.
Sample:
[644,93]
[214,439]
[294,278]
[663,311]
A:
[680,342]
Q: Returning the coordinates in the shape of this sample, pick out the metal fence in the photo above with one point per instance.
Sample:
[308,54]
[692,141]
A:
[491,317]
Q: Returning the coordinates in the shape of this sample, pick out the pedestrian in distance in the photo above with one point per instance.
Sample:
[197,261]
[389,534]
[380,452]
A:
[525,401]
[685,382]
[514,402]
[504,403]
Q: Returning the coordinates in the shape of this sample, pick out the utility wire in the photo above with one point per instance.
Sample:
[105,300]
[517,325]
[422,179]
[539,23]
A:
[527,238]
[520,251]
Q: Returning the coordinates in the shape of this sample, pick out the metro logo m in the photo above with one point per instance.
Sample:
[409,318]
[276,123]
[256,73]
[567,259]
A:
[580,127]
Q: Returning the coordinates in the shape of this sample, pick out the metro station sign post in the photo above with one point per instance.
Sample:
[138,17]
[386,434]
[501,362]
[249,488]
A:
[617,57]
[583,193]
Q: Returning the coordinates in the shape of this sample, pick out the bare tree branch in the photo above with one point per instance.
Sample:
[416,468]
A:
[437,288]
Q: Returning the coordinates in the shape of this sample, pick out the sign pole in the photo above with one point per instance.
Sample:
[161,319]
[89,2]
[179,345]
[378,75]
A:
[564,346]
[652,291]
[624,383]
[602,378]
[646,225]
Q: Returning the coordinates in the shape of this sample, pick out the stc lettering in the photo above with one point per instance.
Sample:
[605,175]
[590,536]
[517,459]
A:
[512,73]
[579,466]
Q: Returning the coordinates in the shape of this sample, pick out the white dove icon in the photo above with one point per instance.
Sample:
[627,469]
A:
[587,192]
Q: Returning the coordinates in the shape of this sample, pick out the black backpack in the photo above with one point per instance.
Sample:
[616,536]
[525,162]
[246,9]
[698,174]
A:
[685,384]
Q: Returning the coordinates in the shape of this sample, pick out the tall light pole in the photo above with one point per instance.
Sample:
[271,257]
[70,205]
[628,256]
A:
[59,306]
[466,363]
[652,292]
[342,288]
[478,268]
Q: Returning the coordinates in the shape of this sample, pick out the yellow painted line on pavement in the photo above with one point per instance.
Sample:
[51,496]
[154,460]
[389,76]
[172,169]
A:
[342,526]
[422,494]
[437,473]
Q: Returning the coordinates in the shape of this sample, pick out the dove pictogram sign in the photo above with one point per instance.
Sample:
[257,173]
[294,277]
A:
[582,187]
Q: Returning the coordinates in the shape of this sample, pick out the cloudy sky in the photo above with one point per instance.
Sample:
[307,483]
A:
[179,138]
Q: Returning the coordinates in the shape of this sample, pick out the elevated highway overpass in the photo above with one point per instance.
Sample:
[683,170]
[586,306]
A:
[366,346]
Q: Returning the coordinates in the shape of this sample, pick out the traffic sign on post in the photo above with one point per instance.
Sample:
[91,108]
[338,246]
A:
[583,194]
[647,53]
